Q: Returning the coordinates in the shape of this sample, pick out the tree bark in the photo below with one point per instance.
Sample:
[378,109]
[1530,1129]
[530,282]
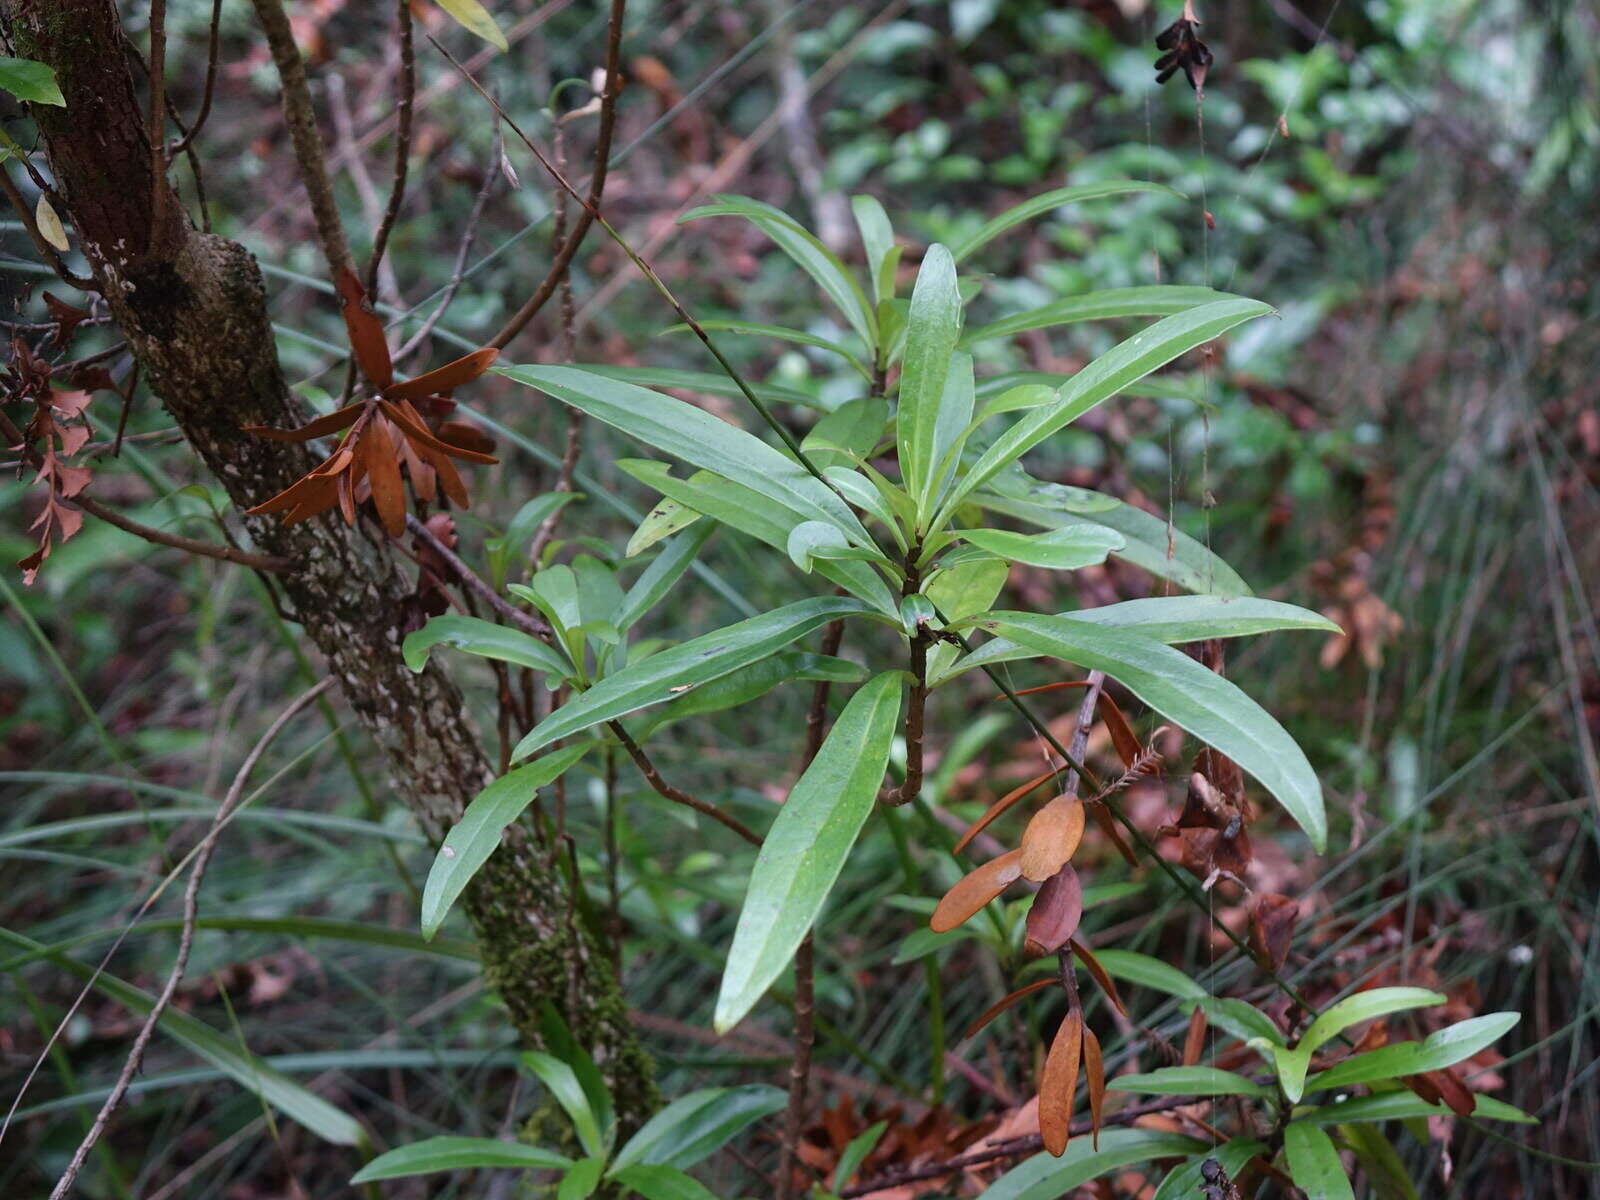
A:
[193,309]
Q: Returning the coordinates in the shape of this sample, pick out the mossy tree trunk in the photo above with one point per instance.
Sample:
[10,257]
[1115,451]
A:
[193,310]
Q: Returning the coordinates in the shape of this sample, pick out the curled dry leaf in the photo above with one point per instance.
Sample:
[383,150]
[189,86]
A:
[975,890]
[1107,825]
[1272,921]
[1056,912]
[1194,1042]
[999,808]
[999,1006]
[1453,1092]
[1094,1068]
[1052,838]
[1122,736]
[1058,1085]
[1101,976]
[1423,1086]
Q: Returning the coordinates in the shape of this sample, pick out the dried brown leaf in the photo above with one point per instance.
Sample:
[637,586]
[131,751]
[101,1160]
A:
[1107,985]
[321,427]
[1095,1068]
[366,332]
[1194,1042]
[999,808]
[1122,735]
[446,378]
[1272,922]
[1056,912]
[999,1006]
[980,886]
[1052,838]
[383,472]
[1058,1085]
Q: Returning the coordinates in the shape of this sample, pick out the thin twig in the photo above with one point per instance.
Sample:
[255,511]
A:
[917,699]
[301,117]
[463,248]
[666,293]
[569,353]
[665,790]
[213,45]
[402,143]
[245,558]
[597,179]
[1080,731]
[521,618]
[805,1034]
[191,895]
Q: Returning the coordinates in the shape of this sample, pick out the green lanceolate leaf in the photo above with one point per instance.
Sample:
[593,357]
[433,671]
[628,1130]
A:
[1442,1049]
[1188,1081]
[564,1086]
[1045,1178]
[1178,619]
[877,239]
[1154,301]
[1150,543]
[806,848]
[1039,205]
[655,1182]
[1314,1163]
[521,531]
[1107,375]
[848,434]
[485,639]
[458,1154]
[659,577]
[1365,1006]
[763,518]
[854,1154]
[1183,691]
[1405,1104]
[753,682]
[1066,549]
[815,259]
[697,437]
[581,1179]
[813,538]
[475,17]
[670,673]
[664,519]
[932,327]
[1243,1020]
[1149,972]
[696,1125]
[1172,620]
[31,81]
[474,837]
